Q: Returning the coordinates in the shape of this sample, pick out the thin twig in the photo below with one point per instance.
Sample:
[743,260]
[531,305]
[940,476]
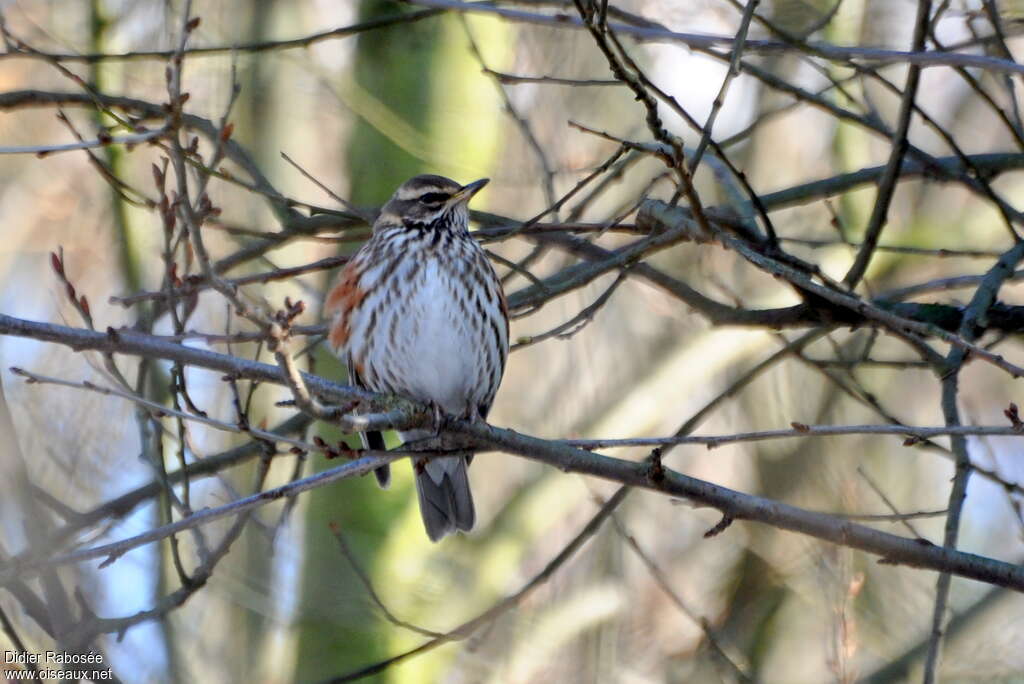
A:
[467,628]
[732,71]
[46,150]
[713,639]
[912,435]
[367,583]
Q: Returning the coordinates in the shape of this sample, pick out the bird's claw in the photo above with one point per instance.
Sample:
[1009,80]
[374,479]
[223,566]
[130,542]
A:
[436,418]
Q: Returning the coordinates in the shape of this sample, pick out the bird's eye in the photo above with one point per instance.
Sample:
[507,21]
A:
[434,197]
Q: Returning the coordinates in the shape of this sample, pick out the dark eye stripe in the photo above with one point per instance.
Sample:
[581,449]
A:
[434,197]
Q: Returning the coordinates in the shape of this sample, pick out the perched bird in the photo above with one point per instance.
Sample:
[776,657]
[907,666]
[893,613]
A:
[419,311]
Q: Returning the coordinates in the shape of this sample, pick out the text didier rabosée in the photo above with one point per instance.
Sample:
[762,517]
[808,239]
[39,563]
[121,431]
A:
[53,658]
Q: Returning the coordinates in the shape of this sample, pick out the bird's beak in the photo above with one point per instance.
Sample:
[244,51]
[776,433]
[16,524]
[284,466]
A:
[467,191]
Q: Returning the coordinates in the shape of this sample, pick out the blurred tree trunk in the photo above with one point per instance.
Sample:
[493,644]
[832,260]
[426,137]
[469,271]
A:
[105,77]
[338,628]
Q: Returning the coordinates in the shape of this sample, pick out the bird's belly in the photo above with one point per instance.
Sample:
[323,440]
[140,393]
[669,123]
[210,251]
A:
[443,370]
[429,342]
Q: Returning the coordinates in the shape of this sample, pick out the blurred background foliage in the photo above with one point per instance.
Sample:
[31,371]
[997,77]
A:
[363,113]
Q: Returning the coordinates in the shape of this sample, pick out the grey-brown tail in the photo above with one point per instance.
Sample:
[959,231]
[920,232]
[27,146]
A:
[446,503]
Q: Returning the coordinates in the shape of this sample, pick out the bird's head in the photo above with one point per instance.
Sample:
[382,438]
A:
[429,202]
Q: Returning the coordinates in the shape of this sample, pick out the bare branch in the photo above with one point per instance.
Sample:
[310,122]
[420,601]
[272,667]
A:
[708,42]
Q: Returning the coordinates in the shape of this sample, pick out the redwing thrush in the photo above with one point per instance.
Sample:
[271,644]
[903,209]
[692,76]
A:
[419,311]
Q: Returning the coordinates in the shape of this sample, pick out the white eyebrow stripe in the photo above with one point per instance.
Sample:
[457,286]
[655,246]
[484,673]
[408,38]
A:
[419,186]
[406,194]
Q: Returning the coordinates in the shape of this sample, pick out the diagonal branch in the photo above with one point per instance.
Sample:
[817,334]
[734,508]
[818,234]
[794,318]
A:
[976,311]
[887,185]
